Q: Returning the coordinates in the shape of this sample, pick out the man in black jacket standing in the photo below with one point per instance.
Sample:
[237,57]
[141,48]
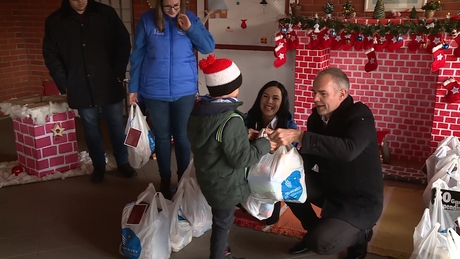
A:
[347,183]
[86,50]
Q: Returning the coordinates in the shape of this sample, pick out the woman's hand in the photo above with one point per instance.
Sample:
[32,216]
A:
[133,98]
[253,134]
[184,22]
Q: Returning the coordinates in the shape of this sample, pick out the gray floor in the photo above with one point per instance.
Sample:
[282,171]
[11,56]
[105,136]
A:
[73,218]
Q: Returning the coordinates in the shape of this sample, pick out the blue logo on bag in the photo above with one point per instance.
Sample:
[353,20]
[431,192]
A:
[130,244]
[291,188]
[151,141]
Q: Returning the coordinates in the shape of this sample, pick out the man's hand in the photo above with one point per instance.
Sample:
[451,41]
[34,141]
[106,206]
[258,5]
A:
[133,98]
[253,134]
[184,22]
[285,136]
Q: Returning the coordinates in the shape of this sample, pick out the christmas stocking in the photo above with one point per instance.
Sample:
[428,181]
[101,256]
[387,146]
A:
[393,42]
[381,43]
[314,41]
[439,58]
[368,42]
[325,39]
[372,64]
[457,50]
[280,50]
[292,40]
[350,39]
[337,41]
[416,40]
[435,40]
[359,42]
[453,93]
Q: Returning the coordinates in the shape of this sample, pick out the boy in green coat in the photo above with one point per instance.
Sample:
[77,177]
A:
[221,148]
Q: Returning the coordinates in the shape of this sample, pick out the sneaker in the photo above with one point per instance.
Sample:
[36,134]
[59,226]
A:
[359,251]
[97,176]
[299,248]
[127,170]
[228,255]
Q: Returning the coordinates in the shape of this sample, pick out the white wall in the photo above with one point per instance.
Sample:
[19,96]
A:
[257,69]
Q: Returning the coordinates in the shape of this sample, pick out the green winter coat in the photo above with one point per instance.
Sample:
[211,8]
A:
[221,166]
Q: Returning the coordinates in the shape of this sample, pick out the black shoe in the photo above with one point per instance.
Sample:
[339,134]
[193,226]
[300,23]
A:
[299,248]
[98,174]
[165,189]
[127,170]
[228,255]
[359,251]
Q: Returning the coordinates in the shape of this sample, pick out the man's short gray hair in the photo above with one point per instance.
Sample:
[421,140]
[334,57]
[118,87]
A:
[338,76]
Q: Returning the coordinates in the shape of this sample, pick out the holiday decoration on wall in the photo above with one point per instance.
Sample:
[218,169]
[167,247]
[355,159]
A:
[413,13]
[453,90]
[379,10]
[328,9]
[372,64]
[280,50]
[348,9]
[439,58]
[57,130]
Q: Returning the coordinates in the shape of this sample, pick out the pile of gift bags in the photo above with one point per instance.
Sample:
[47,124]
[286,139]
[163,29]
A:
[436,234]
[152,226]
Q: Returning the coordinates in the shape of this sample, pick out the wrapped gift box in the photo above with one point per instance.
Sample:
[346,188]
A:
[45,134]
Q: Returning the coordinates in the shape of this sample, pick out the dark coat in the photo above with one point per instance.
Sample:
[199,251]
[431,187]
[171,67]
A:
[350,178]
[88,59]
[221,165]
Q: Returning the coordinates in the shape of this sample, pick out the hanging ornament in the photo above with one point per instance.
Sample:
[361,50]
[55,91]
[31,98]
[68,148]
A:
[360,37]
[283,30]
[316,26]
[445,46]
[423,44]
[333,33]
[264,3]
[16,170]
[243,23]
[400,38]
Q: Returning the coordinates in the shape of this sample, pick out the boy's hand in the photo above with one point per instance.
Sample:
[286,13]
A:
[133,98]
[253,134]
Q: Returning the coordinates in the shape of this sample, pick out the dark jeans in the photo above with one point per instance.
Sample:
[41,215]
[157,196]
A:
[222,220]
[171,118]
[113,117]
[325,236]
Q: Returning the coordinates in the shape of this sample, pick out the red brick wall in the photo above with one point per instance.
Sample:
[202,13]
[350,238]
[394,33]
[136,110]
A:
[309,7]
[403,93]
[21,33]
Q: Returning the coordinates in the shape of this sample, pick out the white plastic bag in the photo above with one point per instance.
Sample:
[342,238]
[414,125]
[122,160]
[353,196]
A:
[194,207]
[279,177]
[432,246]
[139,155]
[181,230]
[149,239]
[423,227]
[438,213]
[258,209]
[453,243]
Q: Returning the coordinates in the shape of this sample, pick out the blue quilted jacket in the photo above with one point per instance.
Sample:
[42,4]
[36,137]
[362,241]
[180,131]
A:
[163,64]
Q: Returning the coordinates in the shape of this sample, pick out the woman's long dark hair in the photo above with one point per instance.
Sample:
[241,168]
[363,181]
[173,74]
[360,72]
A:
[255,114]
[159,15]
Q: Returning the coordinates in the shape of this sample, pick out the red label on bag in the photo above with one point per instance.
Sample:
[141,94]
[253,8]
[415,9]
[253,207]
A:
[136,214]
[132,138]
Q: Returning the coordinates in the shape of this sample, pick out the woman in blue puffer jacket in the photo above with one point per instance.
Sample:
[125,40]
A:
[164,73]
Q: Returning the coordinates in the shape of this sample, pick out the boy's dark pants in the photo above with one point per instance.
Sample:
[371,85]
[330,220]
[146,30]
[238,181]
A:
[222,220]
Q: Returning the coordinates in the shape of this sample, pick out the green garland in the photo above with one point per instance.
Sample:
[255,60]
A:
[407,26]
